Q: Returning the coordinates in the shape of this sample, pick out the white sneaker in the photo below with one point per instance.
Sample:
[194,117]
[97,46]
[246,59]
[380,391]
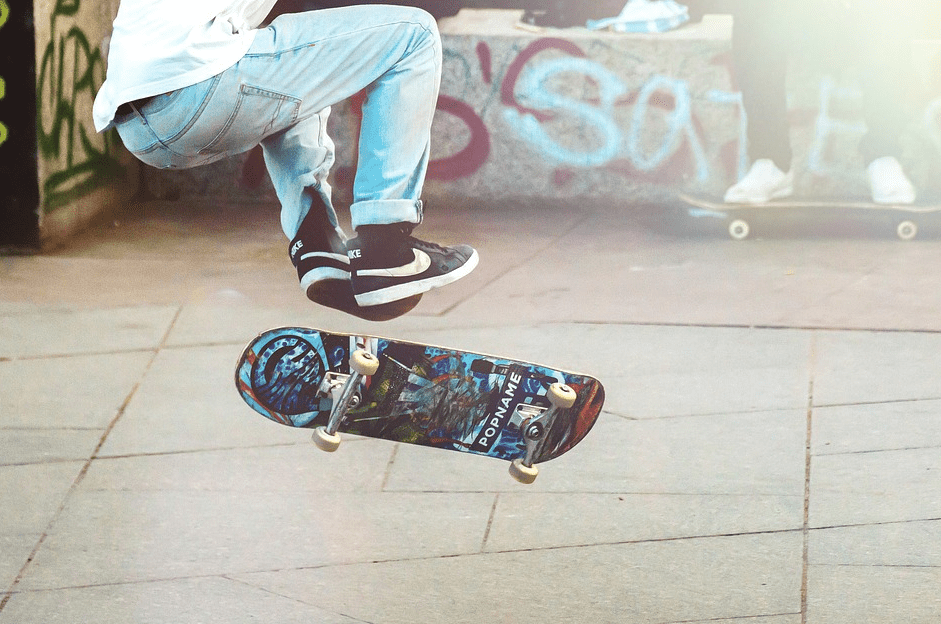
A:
[763,182]
[888,182]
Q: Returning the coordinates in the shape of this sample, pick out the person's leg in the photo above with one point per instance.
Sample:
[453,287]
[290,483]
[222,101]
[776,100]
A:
[310,61]
[760,55]
[884,32]
[394,54]
[279,94]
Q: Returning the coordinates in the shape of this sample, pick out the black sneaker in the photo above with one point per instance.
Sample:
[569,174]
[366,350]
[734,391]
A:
[318,252]
[323,270]
[388,264]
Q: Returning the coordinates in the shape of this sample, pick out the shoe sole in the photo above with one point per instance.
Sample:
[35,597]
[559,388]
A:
[338,295]
[404,291]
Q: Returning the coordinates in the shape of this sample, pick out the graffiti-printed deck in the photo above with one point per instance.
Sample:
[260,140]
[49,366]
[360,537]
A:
[419,394]
[746,220]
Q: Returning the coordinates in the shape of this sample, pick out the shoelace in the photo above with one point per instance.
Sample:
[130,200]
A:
[414,242]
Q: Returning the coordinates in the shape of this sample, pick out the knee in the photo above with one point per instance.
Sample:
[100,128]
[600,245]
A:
[425,20]
[424,27]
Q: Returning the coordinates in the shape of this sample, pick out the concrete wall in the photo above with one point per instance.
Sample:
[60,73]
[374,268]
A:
[571,115]
[82,174]
[538,115]
[576,114]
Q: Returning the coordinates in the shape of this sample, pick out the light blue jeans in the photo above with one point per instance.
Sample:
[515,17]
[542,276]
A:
[279,95]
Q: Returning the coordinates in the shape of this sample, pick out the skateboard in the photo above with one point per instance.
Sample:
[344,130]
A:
[743,220]
[415,393]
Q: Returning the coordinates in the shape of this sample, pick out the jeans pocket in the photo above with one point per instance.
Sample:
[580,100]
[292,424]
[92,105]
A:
[159,131]
[257,114]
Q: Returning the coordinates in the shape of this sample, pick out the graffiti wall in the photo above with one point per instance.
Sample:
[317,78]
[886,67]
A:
[589,115]
[565,114]
[572,114]
[80,172]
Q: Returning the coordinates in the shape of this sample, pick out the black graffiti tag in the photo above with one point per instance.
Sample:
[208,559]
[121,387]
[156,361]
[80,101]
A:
[70,72]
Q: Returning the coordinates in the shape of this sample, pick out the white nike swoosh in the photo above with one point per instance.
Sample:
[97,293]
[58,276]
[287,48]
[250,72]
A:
[419,265]
[324,254]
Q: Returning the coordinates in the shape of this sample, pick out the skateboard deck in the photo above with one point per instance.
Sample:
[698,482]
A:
[417,394]
[744,220]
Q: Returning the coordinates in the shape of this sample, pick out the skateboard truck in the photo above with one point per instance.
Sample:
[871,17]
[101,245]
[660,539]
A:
[533,428]
[343,388]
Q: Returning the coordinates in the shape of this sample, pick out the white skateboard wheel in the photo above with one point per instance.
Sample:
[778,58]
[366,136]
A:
[364,363]
[325,441]
[739,229]
[523,474]
[561,395]
[907,230]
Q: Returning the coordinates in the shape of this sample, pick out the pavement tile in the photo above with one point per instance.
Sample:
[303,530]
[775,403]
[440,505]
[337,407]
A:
[238,323]
[670,581]
[878,427]
[181,601]
[885,486]
[74,392]
[14,308]
[68,332]
[759,454]
[853,368]
[896,544]
[235,324]
[32,494]
[873,594]
[359,465]
[33,446]
[793,618]
[116,536]
[684,504]
[665,277]
[523,520]
[888,289]
[16,550]
[188,401]
[650,372]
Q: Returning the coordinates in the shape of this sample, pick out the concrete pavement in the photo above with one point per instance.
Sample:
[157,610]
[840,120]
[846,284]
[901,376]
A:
[770,449]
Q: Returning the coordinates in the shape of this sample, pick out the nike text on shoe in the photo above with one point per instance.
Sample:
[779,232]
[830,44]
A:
[763,182]
[387,271]
[319,264]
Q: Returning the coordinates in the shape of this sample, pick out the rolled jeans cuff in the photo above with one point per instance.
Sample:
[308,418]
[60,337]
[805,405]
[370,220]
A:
[385,212]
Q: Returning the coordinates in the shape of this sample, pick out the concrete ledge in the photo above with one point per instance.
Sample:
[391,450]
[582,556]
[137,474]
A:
[560,115]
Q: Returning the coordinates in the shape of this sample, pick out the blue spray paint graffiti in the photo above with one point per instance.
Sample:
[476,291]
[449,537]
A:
[680,127]
[828,128]
[532,91]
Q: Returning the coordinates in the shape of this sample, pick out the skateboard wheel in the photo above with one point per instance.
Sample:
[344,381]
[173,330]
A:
[325,441]
[907,230]
[364,363]
[739,229]
[561,395]
[522,473]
